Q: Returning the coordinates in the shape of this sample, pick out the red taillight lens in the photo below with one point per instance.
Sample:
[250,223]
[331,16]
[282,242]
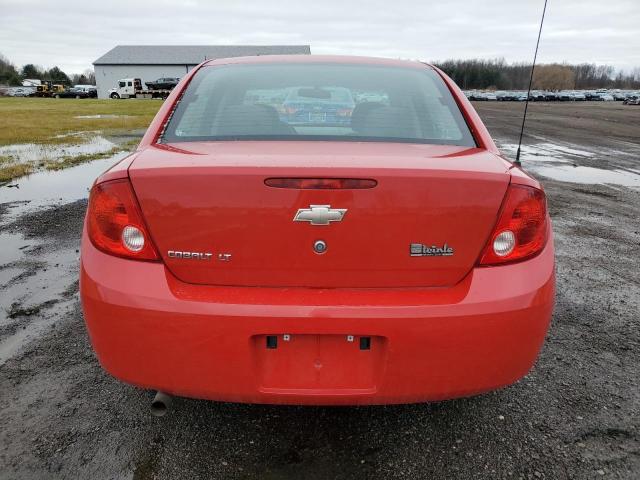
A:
[521,231]
[114,222]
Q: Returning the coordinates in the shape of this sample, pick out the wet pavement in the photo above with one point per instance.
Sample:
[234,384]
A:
[38,273]
[50,188]
[575,416]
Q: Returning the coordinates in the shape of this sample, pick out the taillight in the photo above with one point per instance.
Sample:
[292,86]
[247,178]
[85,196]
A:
[115,224]
[521,231]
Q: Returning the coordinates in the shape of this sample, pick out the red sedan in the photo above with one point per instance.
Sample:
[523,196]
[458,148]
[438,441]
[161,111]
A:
[395,257]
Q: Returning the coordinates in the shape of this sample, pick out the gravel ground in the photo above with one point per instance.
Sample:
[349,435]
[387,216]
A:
[575,416]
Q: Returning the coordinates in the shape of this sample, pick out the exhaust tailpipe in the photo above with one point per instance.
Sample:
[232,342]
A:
[160,404]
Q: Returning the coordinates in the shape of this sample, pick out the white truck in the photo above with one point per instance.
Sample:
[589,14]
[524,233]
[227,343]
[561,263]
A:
[132,88]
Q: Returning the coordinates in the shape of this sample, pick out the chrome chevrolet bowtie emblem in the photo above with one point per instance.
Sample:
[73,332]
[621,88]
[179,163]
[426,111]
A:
[320,214]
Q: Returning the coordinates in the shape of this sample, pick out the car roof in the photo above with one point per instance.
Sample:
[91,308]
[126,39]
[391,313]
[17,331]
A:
[310,59]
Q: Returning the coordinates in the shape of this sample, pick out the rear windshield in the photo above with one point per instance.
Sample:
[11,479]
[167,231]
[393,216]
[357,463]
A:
[318,102]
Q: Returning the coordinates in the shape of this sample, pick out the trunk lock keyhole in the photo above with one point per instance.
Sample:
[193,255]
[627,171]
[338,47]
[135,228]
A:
[319,246]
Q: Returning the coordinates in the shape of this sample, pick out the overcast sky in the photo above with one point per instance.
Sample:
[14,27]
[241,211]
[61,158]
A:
[73,33]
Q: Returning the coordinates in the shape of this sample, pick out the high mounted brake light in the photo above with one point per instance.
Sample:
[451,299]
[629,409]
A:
[522,228]
[115,224]
[321,183]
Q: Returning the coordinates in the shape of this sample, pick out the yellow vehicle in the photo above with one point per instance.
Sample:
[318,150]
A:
[48,89]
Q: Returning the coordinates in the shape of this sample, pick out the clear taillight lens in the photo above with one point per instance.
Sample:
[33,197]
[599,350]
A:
[133,238]
[115,224]
[522,228]
[504,243]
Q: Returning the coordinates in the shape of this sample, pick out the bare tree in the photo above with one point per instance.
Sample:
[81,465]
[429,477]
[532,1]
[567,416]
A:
[90,75]
[497,73]
[553,77]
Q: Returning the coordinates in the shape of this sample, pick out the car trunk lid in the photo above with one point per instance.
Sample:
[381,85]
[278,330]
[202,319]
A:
[216,221]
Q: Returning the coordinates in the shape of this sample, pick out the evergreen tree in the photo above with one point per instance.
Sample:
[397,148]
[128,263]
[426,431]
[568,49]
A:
[8,73]
[57,76]
[31,71]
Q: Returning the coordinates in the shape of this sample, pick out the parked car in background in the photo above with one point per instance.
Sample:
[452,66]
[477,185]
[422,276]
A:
[91,90]
[485,96]
[537,96]
[19,91]
[632,100]
[373,97]
[166,83]
[548,96]
[507,96]
[478,97]
[72,93]
[311,105]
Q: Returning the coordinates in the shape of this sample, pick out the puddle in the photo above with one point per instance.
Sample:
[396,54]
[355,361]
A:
[545,152]
[589,175]
[554,149]
[84,133]
[561,162]
[104,116]
[33,152]
[52,187]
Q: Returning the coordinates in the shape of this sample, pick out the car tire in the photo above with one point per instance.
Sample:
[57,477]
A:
[115,96]
[77,96]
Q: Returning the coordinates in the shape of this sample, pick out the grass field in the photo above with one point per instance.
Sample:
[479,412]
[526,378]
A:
[48,120]
[47,126]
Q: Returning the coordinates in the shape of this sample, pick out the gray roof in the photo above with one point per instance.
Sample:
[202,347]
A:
[190,54]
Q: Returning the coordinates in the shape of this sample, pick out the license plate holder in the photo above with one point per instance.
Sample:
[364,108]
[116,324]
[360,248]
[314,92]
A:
[319,362]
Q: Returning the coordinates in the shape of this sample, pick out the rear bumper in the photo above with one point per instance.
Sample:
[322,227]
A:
[154,331]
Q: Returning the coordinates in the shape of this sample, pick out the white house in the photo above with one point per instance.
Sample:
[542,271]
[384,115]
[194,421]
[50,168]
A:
[150,62]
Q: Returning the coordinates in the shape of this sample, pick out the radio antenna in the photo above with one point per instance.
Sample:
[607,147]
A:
[526,103]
